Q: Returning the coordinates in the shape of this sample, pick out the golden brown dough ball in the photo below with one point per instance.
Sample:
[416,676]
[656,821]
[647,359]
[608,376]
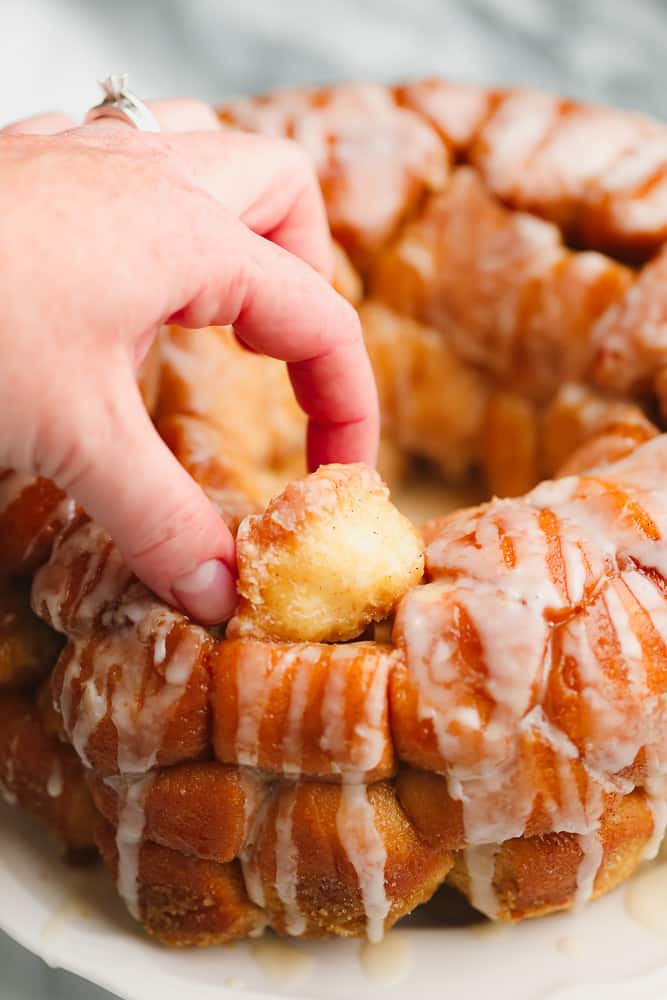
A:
[183,900]
[312,709]
[412,363]
[375,160]
[500,285]
[208,374]
[32,511]
[197,808]
[532,876]
[330,554]
[341,860]
[44,776]
[130,700]
[582,429]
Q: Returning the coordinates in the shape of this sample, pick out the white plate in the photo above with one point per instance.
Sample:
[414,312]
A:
[74,920]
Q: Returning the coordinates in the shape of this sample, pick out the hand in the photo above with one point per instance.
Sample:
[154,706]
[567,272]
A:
[105,234]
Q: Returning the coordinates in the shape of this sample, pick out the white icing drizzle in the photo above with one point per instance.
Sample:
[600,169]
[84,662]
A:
[253,690]
[645,898]
[284,965]
[254,791]
[92,706]
[7,795]
[132,793]
[363,844]
[60,519]
[512,633]
[12,485]
[333,714]
[387,962]
[90,596]
[304,660]
[49,606]
[591,858]
[495,564]
[480,862]
[140,715]
[353,750]
[55,784]
[140,725]
[6,789]
[256,802]
[511,603]
[360,752]
[287,865]
[367,751]
[658,806]
[656,800]
[10,766]
[66,703]
[160,649]
[102,584]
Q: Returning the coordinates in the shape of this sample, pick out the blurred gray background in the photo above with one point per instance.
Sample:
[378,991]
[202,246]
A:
[53,51]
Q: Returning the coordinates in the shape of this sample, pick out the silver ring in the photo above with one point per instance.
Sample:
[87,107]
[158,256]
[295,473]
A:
[121,103]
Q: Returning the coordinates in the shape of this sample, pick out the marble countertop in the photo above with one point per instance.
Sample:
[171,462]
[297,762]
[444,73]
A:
[55,50]
[25,977]
[606,50]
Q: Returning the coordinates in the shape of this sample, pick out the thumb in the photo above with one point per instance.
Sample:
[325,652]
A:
[166,529]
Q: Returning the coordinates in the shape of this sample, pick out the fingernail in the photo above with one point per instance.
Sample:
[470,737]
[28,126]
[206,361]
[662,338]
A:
[207,594]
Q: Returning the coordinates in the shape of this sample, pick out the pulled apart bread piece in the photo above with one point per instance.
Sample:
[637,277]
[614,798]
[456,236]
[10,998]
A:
[330,555]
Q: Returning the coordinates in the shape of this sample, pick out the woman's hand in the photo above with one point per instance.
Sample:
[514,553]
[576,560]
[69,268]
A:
[105,234]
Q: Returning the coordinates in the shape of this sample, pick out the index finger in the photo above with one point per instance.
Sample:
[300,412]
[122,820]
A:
[281,307]
[337,390]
